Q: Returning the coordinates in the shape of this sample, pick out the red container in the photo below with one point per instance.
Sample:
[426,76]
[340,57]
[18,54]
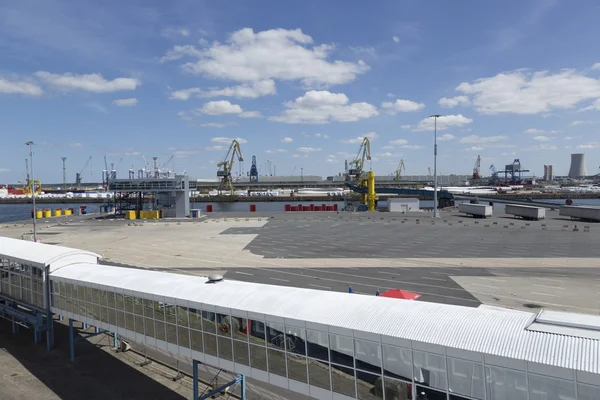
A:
[312,207]
[288,207]
[317,208]
[294,208]
[323,207]
[329,208]
[209,208]
[252,207]
[299,207]
[335,207]
[305,208]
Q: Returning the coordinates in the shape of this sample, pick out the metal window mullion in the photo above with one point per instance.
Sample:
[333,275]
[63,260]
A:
[527,378]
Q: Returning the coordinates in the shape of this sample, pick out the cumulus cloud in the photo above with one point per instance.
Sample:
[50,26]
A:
[398,142]
[321,136]
[521,92]
[20,87]
[175,32]
[287,140]
[589,146]
[482,139]
[454,101]
[227,140]
[276,151]
[386,154]
[212,125]
[250,114]
[125,102]
[247,90]
[541,138]
[445,137]
[396,39]
[596,66]
[359,139]
[322,107]
[220,107]
[308,149]
[595,106]
[580,122]
[87,82]
[282,54]
[401,106]
[473,148]
[443,122]
[535,131]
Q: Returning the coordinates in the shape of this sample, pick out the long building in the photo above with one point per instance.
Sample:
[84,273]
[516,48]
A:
[326,345]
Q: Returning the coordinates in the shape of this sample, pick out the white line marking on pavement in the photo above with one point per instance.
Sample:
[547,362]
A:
[356,269]
[492,279]
[487,286]
[319,286]
[440,273]
[433,279]
[387,273]
[545,294]
[550,287]
[551,280]
[278,279]
[243,273]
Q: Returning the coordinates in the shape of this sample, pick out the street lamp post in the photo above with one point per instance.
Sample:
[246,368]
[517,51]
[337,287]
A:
[436,213]
[32,185]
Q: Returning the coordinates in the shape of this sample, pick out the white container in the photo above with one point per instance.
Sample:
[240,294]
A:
[590,213]
[403,204]
[476,210]
[526,212]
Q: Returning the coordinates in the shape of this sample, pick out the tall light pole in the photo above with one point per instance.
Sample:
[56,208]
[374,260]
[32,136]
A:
[30,144]
[436,213]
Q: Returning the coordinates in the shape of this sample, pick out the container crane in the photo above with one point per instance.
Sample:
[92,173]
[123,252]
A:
[253,170]
[477,168]
[357,165]
[226,165]
[494,175]
[399,170]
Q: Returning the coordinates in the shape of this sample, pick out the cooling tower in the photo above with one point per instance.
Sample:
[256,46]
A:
[578,169]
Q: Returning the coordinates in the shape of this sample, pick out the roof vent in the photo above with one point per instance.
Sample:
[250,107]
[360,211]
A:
[569,324]
[215,278]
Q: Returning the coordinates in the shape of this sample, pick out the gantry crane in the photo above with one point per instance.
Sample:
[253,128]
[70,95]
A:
[78,175]
[477,168]
[494,175]
[399,170]
[357,165]
[226,165]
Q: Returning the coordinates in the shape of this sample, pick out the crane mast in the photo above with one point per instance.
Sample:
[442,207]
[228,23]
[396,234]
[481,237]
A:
[357,165]
[226,165]
[398,172]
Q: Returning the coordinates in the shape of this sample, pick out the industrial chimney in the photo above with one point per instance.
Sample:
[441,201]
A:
[578,169]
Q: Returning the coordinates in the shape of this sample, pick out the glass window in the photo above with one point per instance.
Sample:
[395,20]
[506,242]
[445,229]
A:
[295,340]
[120,319]
[182,316]
[546,388]
[397,362]
[224,325]
[183,336]
[318,374]
[208,322]
[370,386]
[103,314]
[368,356]
[430,394]
[341,350]
[119,302]
[210,344]
[395,389]
[225,349]
[240,352]
[112,316]
[159,328]
[586,392]
[257,332]
[317,344]
[96,312]
[275,335]
[149,327]
[430,369]
[240,328]
[159,311]
[103,298]
[137,306]
[465,377]
[128,303]
[276,362]
[195,319]
[96,295]
[148,308]
[170,313]
[296,367]
[343,381]
[171,333]
[129,324]
[139,324]
[505,384]
[111,299]
[196,338]
[258,357]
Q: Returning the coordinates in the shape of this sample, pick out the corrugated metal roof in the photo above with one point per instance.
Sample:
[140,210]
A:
[40,254]
[481,330]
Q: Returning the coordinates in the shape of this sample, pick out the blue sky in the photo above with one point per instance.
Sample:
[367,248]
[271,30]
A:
[298,82]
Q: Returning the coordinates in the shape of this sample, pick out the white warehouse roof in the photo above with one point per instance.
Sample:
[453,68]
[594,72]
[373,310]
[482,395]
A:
[498,332]
[41,255]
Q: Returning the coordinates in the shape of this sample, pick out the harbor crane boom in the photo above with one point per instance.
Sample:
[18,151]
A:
[226,165]
[78,175]
[357,165]
[477,168]
[399,170]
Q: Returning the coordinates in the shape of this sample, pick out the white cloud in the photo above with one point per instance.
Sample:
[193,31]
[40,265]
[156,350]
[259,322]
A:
[596,66]
[296,156]
[220,107]
[387,147]
[588,146]
[398,142]
[595,106]
[443,122]
[226,140]
[401,106]
[322,107]
[213,125]
[276,151]
[321,136]
[363,50]
[445,137]
[484,139]
[250,114]
[125,102]
[331,159]
[521,92]
[533,131]
[215,148]
[88,82]
[20,87]
[454,101]
[396,39]
[412,147]
[541,138]
[359,139]
[247,90]
[287,140]
[474,148]
[541,147]
[282,54]
[175,32]
[580,122]
[405,127]
[4,170]
[308,149]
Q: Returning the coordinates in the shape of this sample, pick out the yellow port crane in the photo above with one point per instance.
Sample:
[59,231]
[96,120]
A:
[226,165]
[399,170]
[357,165]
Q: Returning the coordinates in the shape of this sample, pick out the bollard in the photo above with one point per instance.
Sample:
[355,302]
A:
[377,293]
[349,289]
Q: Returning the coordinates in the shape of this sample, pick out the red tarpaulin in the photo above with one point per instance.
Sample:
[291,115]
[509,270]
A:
[400,294]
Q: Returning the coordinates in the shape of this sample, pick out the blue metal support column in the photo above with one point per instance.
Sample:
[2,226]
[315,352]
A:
[239,379]
[195,378]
